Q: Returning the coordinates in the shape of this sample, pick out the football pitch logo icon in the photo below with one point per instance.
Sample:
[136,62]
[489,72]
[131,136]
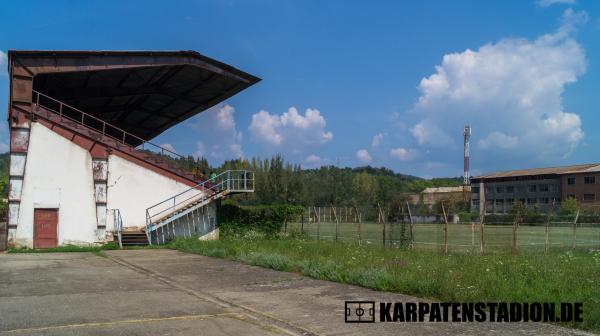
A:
[360,311]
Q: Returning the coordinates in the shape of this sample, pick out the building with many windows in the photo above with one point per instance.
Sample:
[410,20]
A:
[539,188]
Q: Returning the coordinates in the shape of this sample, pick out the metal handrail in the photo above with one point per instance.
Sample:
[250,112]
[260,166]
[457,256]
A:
[118,225]
[105,125]
[230,180]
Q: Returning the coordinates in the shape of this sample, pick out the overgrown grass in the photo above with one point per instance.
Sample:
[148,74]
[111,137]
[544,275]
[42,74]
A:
[527,277]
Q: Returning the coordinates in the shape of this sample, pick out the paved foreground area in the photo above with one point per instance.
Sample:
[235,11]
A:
[164,292]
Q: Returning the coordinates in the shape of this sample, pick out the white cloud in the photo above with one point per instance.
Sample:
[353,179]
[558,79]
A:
[314,161]
[3,63]
[200,150]
[264,127]
[219,138]
[291,128]
[426,132]
[377,140]
[403,154]
[363,156]
[547,3]
[170,148]
[498,140]
[312,158]
[510,92]
[435,165]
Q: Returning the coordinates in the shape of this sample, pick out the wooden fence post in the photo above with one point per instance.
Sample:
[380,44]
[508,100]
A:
[546,246]
[318,218]
[381,216]
[302,222]
[337,223]
[481,224]
[411,225]
[359,222]
[514,229]
[575,229]
[445,229]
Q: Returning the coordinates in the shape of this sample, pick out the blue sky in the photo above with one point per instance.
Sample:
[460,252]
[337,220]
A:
[386,83]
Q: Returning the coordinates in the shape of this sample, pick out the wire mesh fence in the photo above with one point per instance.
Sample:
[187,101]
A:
[447,232]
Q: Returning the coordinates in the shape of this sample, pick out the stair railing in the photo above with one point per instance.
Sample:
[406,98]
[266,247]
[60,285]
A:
[230,181]
[76,115]
[118,225]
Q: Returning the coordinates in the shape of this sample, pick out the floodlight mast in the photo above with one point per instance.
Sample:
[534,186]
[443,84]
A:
[467,142]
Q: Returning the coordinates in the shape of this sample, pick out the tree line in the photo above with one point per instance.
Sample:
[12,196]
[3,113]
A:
[281,182]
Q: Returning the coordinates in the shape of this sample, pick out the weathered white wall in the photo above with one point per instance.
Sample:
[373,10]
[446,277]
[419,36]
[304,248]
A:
[58,174]
[132,189]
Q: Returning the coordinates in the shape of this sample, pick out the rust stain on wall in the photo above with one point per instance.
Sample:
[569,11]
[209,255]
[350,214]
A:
[19,140]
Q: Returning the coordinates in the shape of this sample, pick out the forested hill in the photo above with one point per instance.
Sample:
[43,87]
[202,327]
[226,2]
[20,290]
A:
[281,182]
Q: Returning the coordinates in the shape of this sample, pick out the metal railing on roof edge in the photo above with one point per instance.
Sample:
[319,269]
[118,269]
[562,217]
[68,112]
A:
[105,127]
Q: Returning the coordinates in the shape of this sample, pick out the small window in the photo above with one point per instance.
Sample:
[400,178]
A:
[544,200]
[475,201]
[532,201]
[499,202]
[589,180]
[510,201]
[589,197]
[521,188]
[543,187]
[489,190]
[475,190]
[499,190]
[571,181]
[510,189]
[532,188]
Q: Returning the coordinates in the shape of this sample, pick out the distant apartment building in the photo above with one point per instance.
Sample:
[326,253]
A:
[537,188]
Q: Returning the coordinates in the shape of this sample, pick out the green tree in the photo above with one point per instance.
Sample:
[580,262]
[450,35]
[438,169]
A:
[570,206]
[364,192]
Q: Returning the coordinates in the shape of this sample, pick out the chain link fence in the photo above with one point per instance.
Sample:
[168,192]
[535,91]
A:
[447,233]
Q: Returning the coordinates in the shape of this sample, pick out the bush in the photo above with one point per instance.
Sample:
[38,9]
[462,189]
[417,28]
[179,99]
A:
[468,216]
[267,219]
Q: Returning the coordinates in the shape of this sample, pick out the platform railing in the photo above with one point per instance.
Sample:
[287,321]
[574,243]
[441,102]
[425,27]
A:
[74,114]
[230,181]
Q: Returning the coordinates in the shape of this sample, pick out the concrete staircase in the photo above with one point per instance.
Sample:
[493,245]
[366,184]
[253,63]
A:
[134,238]
[170,218]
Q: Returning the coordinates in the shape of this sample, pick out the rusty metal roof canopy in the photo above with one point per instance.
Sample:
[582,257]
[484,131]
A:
[573,169]
[142,92]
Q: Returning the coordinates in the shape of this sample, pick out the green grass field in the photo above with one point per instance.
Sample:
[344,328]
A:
[461,237]
[564,276]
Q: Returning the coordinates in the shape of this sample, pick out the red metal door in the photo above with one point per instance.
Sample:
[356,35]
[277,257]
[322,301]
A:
[45,223]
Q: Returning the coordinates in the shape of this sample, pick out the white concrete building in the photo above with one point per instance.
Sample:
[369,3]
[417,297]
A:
[80,167]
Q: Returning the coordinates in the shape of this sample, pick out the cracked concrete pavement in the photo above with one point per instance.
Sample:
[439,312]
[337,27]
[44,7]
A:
[165,292]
